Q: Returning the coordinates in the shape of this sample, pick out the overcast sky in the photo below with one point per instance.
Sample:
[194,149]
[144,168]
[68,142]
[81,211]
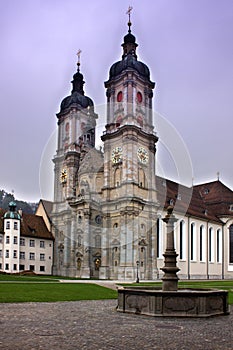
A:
[187,44]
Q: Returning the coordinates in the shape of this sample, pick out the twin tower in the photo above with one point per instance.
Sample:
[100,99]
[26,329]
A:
[105,203]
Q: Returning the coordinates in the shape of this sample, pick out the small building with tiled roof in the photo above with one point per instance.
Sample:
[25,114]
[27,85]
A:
[25,242]
[204,230]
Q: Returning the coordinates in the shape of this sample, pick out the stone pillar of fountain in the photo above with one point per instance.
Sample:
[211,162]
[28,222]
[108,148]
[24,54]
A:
[170,278]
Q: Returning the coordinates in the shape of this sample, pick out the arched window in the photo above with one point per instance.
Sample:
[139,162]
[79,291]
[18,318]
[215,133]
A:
[140,121]
[211,245]
[141,178]
[193,242]
[219,246]
[119,120]
[117,177]
[182,240]
[231,244]
[201,242]
[97,241]
[159,238]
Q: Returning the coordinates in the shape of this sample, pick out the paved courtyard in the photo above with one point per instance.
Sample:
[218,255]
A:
[95,325]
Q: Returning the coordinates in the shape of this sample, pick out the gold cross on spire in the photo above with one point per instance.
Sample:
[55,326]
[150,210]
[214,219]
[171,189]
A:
[78,54]
[129,14]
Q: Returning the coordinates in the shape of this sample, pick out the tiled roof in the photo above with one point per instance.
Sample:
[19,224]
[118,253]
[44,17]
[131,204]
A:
[196,201]
[48,206]
[31,226]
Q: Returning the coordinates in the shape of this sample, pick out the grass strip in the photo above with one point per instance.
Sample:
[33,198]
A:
[52,292]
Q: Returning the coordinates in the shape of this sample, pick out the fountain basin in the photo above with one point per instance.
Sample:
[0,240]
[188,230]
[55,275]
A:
[154,301]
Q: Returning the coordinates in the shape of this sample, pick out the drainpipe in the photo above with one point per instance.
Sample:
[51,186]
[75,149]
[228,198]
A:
[223,253]
[188,272]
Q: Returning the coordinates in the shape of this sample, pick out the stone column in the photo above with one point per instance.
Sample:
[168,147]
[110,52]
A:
[170,278]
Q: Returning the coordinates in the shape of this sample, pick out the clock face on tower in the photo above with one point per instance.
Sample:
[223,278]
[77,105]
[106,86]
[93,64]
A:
[142,155]
[63,176]
[117,155]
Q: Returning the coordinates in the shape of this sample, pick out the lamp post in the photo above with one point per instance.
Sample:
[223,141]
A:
[137,279]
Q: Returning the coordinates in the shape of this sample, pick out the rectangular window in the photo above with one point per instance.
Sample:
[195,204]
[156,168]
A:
[42,244]
[15,240]
[22,241]
[32,243]
[21,267]
[15,267]
[1,238]
[0,253]
[32,256]
[8,225]
[7,253]
[7,239]
[0,266]
[32,267]
[7,267]
[15,225]
[22,255]
[15,254]
[42,269]
[42,257]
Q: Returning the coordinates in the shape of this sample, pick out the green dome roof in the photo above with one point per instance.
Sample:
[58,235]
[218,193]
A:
[12,213]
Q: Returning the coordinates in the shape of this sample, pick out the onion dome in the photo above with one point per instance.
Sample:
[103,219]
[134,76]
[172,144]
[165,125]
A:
[129,60]
[12,213]
[77,97]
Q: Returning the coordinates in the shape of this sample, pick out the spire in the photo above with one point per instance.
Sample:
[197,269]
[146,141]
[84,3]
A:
[78,81]
[129,13]
[129,45]
[78,54]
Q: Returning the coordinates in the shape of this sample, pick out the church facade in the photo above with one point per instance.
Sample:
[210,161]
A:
[108,205]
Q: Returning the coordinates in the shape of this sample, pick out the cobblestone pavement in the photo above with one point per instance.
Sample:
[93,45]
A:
[96,325]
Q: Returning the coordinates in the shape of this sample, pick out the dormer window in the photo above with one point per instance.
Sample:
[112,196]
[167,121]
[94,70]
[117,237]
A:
[231,207]
[206,191]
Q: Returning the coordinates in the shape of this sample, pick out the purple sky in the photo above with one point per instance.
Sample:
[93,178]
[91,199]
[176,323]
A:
[188,45]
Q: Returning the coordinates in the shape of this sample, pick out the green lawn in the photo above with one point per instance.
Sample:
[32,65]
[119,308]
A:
[16,288]
[16,292]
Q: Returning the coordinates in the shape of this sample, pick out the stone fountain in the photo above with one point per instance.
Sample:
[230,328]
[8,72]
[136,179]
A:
[170,300]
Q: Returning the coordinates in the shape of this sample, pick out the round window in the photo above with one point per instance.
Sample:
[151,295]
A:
[98,219]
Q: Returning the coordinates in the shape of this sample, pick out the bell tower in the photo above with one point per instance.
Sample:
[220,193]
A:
[76,134]
[76,137]
[129,165]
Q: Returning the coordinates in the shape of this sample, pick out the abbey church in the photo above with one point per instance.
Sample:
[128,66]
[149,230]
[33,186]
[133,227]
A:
[109,204]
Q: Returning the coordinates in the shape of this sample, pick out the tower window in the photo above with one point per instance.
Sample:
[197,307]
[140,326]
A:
[119,120]
[119,96]
[139,97]
[140,121]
